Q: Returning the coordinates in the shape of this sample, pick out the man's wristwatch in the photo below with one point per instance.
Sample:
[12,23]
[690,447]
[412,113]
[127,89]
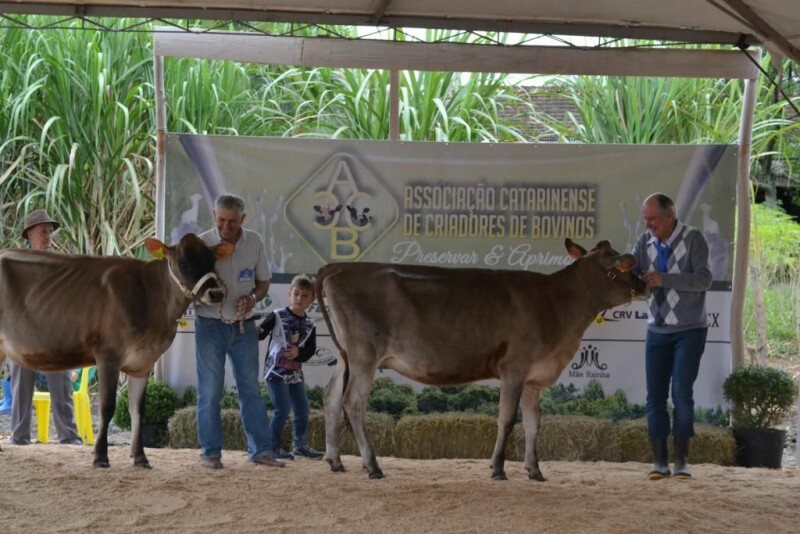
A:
[252,295]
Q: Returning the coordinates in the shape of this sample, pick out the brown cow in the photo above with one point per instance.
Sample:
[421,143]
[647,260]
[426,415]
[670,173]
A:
[60,312]
[451,326]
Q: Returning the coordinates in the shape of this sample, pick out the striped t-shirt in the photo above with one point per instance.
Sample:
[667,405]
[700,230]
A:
[239,272]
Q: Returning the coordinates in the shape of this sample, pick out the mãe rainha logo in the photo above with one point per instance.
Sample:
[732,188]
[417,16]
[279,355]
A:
[342,210]
[589,357]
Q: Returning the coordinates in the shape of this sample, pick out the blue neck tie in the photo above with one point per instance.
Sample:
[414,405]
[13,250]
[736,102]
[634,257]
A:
[663,252]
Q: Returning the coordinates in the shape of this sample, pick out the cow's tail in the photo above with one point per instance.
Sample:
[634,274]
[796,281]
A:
[319,289]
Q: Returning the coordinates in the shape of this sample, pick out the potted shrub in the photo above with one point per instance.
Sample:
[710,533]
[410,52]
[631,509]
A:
[159,405]
[761,399]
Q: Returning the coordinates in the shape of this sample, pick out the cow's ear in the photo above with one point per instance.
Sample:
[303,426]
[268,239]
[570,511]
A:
[156,248]
[625,262]
[223,250]
[575,250]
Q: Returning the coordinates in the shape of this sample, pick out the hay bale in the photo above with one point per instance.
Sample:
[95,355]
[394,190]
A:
[713,445]
[183,430]
[632,441]
[380,429]
[569,438]
[448,435]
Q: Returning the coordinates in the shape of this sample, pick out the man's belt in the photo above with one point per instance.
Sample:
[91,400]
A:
[253,317]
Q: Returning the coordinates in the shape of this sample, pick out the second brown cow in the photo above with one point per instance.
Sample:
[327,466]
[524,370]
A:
[452,326]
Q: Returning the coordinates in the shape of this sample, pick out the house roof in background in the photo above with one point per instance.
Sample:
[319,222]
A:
[774,23]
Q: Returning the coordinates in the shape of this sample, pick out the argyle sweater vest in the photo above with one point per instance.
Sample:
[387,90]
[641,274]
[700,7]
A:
[680,304]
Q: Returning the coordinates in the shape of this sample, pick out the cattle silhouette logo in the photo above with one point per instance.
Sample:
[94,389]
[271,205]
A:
[342,210]
[590,357]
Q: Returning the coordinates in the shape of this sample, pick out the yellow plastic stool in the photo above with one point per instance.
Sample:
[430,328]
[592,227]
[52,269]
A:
[83,411]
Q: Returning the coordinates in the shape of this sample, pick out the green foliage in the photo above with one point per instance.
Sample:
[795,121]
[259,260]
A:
[566,400]
[761,397]
[228,401]
[432,399]
[713,417]
[316,397]
[392,398]
[776,257]
[159,405]
[76,134]
[774,239]
[189,396]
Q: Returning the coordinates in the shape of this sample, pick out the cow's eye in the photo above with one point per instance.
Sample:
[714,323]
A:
[183,265]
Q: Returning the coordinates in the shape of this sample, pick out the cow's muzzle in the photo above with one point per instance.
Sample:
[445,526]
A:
[214,295]
[192,293]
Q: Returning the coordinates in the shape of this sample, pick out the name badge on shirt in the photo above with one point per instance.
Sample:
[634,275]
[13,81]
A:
[246,275]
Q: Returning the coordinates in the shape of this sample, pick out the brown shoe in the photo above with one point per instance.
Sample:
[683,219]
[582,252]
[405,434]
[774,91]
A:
[213,462]
[268,460]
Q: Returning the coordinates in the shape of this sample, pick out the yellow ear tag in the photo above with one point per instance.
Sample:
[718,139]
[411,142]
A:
[183,323]
[158,253]
[599,319]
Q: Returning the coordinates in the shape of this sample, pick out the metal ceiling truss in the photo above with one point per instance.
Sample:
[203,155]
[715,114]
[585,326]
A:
[246,18]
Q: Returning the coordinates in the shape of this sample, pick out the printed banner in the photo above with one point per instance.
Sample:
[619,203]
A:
[496,206]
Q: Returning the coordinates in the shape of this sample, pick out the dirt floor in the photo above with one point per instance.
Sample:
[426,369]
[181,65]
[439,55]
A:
[53,488]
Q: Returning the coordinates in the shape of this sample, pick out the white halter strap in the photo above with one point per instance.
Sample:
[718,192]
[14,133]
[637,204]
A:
[190,294]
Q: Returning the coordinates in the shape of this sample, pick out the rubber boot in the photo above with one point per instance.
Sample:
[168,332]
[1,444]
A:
[660,459]
[7,396]
[682,469]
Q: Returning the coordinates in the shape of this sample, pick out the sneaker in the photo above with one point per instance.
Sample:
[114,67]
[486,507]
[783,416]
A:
[211,462]
[283,455]
[307,452]
[73,441]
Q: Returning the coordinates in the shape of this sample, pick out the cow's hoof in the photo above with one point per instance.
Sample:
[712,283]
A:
[499,476]
[377,475]
[336,465]
[537,476]
[102,463]
[144,464]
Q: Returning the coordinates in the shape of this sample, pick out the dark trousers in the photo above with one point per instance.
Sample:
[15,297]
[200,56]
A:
[672,359]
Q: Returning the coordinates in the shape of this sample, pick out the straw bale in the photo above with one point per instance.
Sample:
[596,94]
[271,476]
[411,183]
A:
[570,438]
[380,430]
[183,430]
[448,435]
[710,444]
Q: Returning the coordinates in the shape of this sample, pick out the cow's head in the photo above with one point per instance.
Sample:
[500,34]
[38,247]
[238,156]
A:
[611,279]
[194,262]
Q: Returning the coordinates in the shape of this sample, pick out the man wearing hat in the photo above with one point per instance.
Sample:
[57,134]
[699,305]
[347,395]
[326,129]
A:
[39,229]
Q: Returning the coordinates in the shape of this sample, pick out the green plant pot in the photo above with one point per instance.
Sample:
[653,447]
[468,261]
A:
[759,447]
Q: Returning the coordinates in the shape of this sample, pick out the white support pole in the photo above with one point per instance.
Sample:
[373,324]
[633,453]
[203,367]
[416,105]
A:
[743,201]
[160,178]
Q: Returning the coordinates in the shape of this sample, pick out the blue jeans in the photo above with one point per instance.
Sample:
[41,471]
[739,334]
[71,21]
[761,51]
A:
[214,339]
[287,397]
[672,358]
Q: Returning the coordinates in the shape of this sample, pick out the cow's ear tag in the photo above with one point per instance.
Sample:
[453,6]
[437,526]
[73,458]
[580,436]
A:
[156,248]
[599,319]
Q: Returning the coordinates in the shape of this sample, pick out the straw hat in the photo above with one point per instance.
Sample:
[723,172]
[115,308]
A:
[39,216]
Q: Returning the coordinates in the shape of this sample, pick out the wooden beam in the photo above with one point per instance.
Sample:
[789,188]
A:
[452,57]
[763,28]
[377,15]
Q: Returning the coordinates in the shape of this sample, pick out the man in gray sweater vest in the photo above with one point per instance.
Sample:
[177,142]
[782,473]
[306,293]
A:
[673,262]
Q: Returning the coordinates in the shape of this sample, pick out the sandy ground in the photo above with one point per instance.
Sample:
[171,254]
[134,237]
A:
[53,488]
